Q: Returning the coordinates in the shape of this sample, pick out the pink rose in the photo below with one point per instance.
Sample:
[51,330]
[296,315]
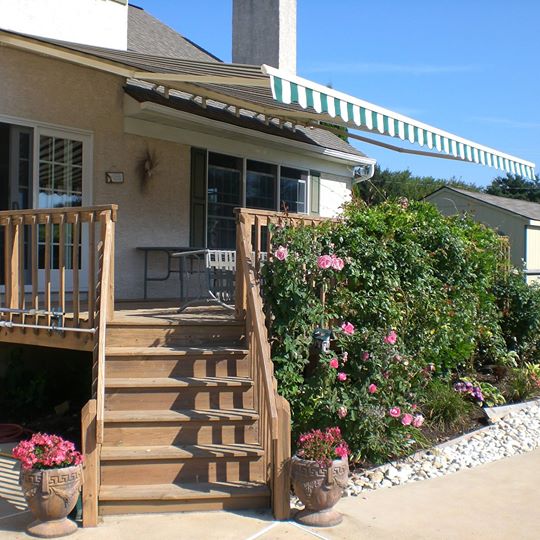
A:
[342,376]
[324,262]
[348,328]
[395,412]
[391,338]
[334,363]
[372,388]
[281,253]
[342,412]
[337,263]
[418,420]
[407,419]
[414,406]
[365,356]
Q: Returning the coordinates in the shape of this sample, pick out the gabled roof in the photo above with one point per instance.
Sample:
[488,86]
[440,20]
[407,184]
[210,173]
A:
[526,209]
[149,35]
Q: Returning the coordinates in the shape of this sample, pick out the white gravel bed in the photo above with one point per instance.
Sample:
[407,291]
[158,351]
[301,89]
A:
[516,433]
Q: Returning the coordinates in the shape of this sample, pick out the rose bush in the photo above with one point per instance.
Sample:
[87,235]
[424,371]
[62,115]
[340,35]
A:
[408,294]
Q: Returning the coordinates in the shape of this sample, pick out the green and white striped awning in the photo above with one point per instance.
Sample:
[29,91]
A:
[360,114]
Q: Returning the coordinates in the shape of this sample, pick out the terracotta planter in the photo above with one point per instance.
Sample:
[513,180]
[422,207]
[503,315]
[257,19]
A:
[51,495]
[319,487]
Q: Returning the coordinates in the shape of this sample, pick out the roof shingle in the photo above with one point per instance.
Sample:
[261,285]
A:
[148,35]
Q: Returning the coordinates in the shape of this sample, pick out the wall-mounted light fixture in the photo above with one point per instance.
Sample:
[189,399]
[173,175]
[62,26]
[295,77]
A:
[114,177]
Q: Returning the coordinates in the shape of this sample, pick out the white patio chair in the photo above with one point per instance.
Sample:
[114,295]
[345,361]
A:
[208,276]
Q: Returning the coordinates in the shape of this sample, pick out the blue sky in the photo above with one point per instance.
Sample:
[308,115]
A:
[471,67]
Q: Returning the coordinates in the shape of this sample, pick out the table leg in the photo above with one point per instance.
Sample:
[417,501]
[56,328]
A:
[181,274]
[145,274]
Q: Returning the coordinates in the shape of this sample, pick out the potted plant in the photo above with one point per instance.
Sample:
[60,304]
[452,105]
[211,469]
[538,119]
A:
[51,480]
[319,473]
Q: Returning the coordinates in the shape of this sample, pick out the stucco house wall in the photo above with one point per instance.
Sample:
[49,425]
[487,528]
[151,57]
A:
[54,92]
[36,89]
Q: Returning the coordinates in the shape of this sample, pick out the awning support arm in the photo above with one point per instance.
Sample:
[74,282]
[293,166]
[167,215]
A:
[386,145]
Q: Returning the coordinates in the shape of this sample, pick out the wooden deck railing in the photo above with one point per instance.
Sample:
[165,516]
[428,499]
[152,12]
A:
[59,291]
[254,238]
[52,265]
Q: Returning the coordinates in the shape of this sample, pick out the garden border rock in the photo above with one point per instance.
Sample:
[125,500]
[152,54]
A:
[515,429]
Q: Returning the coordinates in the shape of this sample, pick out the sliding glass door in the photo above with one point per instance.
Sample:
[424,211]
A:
[43,167]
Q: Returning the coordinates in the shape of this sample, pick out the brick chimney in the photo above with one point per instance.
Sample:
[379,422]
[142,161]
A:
[264,32]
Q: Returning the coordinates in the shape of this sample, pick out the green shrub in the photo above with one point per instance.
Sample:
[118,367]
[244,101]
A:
[428,277]
[445,408]
[519,304]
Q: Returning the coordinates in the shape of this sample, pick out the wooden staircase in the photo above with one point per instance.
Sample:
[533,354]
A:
[181,429]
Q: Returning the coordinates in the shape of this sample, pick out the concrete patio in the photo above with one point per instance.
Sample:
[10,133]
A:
[498,501]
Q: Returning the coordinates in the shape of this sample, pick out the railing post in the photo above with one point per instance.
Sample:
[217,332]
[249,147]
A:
[13,264]
[240,280]
[281,483]
[90,449]
[110,304]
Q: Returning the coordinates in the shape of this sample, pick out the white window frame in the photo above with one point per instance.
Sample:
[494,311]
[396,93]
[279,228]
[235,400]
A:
[53,130]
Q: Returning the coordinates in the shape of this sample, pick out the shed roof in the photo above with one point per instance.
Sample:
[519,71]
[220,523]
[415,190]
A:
[526,209]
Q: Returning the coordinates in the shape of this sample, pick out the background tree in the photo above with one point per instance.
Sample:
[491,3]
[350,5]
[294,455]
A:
[515,187]
[387,184]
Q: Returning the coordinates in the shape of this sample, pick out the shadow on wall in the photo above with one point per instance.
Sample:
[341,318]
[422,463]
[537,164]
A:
[44,389]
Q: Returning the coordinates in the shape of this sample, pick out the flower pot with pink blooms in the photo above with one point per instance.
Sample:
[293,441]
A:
[50,478]
[319,473]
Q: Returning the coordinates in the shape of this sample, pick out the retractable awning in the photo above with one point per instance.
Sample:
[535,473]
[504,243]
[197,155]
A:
[357,113]
[276,96]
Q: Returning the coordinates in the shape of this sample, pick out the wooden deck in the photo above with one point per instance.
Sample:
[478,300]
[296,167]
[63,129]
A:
[167,312]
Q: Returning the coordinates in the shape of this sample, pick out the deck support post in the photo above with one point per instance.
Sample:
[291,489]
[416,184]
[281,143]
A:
[90,450]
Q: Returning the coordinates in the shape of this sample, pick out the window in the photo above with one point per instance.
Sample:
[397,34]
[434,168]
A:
[224,195]
[59,184]
[261,185]
[60,172]
[232,182]
[293,190]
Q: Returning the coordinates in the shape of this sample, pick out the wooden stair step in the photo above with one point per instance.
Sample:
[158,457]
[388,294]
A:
[137,453]
[177,382]
[186,415]
[189,497]
[174,492]
[172,321]
[175,351]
